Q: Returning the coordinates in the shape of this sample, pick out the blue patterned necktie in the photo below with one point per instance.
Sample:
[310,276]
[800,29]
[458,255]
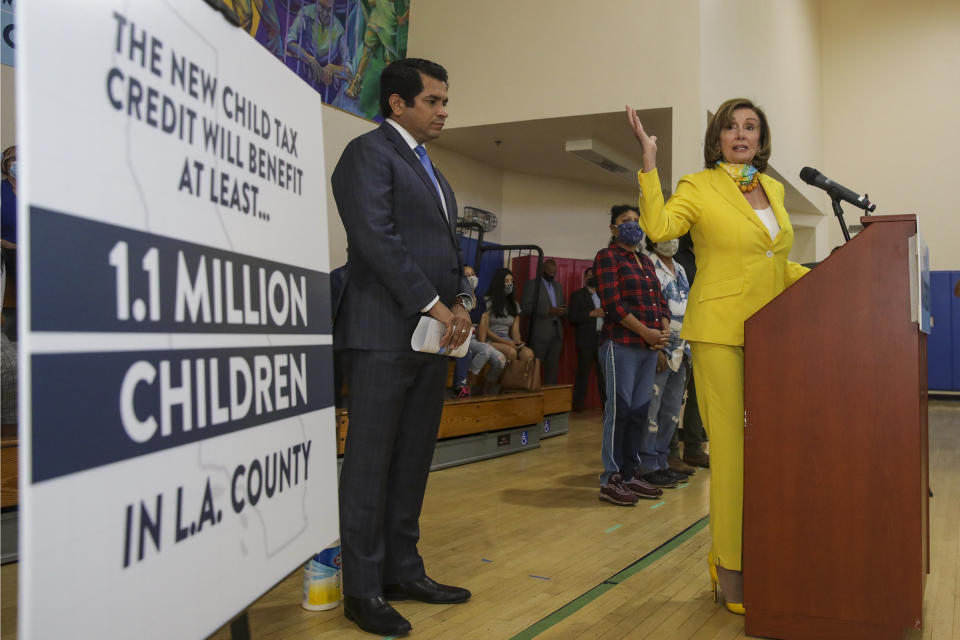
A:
[425,161]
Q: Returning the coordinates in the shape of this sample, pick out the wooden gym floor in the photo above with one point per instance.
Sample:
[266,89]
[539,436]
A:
[544,558]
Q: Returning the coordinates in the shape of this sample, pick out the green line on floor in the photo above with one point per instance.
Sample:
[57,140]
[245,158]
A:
[613,528]
[583,600]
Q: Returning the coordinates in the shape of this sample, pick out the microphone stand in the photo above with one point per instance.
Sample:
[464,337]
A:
[837,211]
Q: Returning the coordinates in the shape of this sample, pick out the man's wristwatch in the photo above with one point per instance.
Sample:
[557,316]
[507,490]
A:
[466,301]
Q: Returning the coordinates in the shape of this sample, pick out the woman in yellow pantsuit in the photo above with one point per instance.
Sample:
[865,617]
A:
[741,237]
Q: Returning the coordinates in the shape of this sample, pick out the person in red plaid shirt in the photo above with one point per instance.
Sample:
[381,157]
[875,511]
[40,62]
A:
[636,325]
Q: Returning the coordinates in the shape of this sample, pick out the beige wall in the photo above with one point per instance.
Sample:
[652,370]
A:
[512,60]
[864,110]
[891,104]
[769,52]
[339,128]
[565,218]
[475,184]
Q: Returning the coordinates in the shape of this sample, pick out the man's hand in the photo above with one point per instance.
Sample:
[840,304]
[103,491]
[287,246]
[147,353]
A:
[558,311]
[456,323]
[597,313]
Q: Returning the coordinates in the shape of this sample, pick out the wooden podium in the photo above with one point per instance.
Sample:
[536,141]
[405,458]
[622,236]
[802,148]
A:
[836,519]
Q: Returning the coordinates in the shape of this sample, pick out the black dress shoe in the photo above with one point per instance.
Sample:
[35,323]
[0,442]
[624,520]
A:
[425,590]
[375,615]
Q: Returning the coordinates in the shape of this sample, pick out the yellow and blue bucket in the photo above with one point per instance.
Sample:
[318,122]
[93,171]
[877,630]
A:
[321,580]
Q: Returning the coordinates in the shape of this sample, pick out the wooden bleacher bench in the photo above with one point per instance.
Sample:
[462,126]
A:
[468,416]
[8,466]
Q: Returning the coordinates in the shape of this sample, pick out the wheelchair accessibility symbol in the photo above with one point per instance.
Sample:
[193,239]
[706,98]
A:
[546,425]
[523,438]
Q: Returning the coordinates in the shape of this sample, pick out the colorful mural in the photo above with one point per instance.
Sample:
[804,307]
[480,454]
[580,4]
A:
[338,47]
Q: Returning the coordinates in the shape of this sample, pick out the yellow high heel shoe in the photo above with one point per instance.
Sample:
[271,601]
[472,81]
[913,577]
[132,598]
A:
[732,607]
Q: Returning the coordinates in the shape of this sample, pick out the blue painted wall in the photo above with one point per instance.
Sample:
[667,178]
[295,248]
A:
[943,345]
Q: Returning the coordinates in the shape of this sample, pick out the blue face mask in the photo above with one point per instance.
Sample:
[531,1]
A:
[630,233]
[13,169]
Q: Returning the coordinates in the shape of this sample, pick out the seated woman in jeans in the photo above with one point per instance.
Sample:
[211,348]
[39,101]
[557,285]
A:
[500,323]
[636,324]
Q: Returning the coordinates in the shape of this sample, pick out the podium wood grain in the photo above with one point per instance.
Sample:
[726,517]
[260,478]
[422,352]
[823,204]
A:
[836,466]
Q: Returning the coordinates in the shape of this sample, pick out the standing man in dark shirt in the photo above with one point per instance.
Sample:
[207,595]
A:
[586,315]
[546,337]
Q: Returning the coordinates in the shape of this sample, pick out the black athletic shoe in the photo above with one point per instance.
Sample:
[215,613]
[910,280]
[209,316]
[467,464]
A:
[661,478]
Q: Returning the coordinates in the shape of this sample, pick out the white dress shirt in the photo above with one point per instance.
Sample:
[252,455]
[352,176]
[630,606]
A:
[409,139]
[769,221]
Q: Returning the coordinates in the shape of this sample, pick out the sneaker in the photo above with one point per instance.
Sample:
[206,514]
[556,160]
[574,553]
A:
[681,478]
[463,392]
[616,492]
[661,478]
[643,489]
[678,465]
[698,459]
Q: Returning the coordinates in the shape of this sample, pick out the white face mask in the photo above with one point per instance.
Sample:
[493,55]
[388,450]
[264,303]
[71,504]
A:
[473,280]
[668,248]
[13,169]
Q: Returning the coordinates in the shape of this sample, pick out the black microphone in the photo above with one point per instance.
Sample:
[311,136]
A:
[836,191]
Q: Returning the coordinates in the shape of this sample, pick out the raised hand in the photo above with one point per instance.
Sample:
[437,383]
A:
[647,143]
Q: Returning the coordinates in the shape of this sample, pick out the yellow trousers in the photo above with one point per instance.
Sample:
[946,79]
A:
[718,373]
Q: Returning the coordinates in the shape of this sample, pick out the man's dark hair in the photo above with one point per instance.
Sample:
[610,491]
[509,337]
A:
[617,210]
[585,271]
[402,77]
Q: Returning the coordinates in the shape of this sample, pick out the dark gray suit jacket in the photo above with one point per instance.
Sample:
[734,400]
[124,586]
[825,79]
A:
[545,327]
[402,251]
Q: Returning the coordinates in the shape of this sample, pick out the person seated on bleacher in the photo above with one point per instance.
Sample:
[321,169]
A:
[479,354]
[500,323]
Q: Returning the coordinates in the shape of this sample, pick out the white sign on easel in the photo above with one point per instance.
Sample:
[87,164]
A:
[178,449]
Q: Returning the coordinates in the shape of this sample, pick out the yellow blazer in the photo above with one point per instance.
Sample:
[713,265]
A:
[739,268]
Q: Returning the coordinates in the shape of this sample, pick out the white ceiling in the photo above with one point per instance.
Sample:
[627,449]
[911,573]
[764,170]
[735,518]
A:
[538,147]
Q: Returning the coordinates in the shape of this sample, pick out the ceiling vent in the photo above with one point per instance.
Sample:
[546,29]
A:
[605,158]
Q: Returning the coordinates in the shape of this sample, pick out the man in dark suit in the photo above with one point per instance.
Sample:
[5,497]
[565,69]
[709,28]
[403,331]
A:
[586,316]
[548,310]
[403,261]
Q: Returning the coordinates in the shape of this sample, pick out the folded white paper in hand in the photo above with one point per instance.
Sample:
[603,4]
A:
[427,337]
